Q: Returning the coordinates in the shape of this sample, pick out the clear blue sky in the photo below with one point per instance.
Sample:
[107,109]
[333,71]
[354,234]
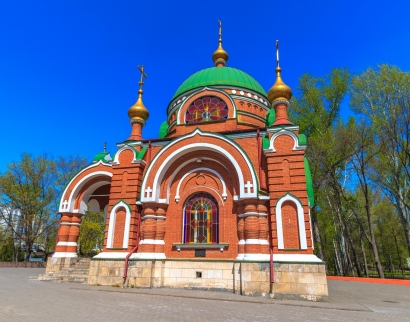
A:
[68,68]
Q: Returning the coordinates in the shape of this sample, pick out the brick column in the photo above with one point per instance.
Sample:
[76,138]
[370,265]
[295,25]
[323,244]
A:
[160,232]
[241,231]
[67,235]
[152,232]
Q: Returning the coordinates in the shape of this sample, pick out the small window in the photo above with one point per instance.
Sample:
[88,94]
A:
[205,109]
[201,219]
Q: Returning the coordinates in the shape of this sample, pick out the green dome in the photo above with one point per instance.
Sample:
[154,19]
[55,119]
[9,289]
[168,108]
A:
[220,76]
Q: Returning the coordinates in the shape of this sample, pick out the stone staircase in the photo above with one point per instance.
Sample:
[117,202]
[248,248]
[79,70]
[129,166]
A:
[77,273]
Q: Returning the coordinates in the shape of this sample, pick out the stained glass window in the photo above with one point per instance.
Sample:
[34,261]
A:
[201,219]
[205,109]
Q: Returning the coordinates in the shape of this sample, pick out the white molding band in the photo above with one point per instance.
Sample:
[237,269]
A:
[61,243]
[69,224]
[301,221]
[150,256]
[64,254]
[295,258]
[257,214]
[152,242]
[111,226]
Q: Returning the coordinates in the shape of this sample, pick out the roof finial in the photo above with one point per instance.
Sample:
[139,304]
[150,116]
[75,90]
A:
[220,56]
[105,146]
[138,112]
[277,54]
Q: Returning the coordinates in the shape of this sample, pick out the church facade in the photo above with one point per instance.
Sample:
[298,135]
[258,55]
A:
[220,201]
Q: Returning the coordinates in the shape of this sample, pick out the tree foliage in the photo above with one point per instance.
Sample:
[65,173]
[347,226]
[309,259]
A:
[29,194]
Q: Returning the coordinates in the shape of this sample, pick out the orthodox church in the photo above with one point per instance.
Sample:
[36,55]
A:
[219,201]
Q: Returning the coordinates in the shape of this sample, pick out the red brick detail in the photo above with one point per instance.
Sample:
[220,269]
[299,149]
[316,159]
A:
[290,225]
[119,228]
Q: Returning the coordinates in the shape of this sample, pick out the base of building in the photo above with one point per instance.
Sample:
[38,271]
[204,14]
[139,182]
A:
[301,281]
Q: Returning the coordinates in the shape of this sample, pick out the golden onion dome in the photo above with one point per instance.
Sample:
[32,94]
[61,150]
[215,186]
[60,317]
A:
[279,90]
[138,112]
[220,56]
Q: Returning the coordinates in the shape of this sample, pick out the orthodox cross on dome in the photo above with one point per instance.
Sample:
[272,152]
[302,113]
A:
[220,29]
[277,53]
[105,146]
[143,75]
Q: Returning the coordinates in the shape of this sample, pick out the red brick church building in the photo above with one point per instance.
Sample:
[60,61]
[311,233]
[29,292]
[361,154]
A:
[220,201]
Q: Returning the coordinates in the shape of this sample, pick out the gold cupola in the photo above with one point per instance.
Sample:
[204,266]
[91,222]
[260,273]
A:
[279,90]
[138,112]
[220,56]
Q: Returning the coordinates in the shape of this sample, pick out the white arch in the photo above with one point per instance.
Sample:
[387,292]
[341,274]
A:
[193,159]
[296,146]
[154,197]
[224,194]
[203,90]
[111,226]
[125,147]
[301,221]
[68,205]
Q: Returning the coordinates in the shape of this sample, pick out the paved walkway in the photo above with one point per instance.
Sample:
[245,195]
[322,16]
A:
[22,299]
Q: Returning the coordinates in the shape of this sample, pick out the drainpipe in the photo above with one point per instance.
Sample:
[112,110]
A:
[271,268]
[136,246]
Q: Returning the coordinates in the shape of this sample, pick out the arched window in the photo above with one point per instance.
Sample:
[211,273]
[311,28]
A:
[205,109]
[201,219]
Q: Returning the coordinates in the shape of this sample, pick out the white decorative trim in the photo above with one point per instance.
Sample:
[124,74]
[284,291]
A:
[256,257]
[195,147]
[153,217]
[114,255]
[301,221]
[69,205]
[111,226]
[296,258]
[304,258]
[296,146]
[64,254]
[241,242]
[150,255]
[61,243]
[69,224]
[224,194]
[247,214]
[252,241]
[68,185]
[152,242]
[264,197]
[117,154]
[171,180]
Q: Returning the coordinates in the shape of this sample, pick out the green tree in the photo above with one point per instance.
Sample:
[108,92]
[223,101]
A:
[91,233]
[382,96]
[316,108]
[28,188]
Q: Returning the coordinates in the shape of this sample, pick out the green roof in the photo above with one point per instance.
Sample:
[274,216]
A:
[220,76]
